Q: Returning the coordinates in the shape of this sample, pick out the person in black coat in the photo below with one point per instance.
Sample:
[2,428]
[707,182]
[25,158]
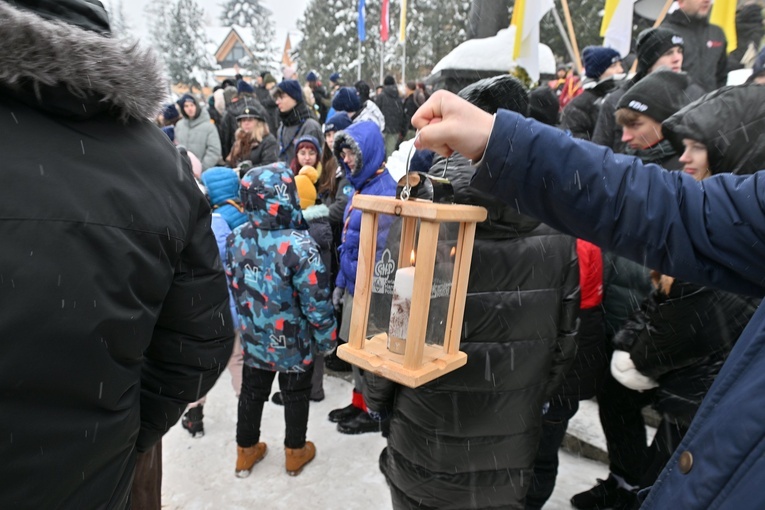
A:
[705,46]
[392,107]
[106,337]
[468,439]
[602,67]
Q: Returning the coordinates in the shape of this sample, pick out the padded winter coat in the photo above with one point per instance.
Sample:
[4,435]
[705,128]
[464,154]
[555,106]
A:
[469,438]
[279,282]
[392,108]
[680,338]
[199,136]
[704,49]
[105,336]
[371,178]
[222,185]
[709,232]
[581,114]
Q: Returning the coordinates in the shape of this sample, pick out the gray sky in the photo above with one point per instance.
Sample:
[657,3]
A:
[285,15]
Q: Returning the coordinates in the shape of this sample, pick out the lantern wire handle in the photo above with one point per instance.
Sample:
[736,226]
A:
[408,187]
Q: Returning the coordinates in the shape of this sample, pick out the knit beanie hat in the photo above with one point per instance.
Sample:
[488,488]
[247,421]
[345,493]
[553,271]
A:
[243,86]
[597,59]
[170,113]
[292,88]
[659,95]
[652,44]
[334,77]
[185,98]
[759,66]
[346,100]
[311,76]
[306,186]
[268,78]
[337,122]
[310,142]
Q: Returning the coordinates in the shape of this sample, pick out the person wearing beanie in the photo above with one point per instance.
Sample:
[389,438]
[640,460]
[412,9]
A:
[641,111]
[705,59]
[758,69]
[295,285]
[603,69]
[347,100]
[335,82]
[169,115]
[296,119]
[392,107]
[253,143]
[308,153]
[656,48]
[263,93]
[197,133]
[118,222]
[322,101]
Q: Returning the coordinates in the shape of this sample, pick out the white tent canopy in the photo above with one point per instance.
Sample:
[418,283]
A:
[492,54]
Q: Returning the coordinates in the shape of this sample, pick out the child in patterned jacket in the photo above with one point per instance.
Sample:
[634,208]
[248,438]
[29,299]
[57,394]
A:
[283,299]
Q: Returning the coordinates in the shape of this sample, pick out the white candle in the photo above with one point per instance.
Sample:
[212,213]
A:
[403,287]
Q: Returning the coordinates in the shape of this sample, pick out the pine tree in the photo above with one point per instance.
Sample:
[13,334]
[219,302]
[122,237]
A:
[178,35]
[250,14]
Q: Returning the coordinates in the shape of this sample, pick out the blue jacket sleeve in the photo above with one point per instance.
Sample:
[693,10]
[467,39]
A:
[708,232]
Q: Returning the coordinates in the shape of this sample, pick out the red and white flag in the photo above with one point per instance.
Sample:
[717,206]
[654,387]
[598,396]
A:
[385,20]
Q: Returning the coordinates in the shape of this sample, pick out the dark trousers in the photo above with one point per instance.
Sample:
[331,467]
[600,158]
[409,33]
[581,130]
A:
[554,425]
[621,415]
[256,387]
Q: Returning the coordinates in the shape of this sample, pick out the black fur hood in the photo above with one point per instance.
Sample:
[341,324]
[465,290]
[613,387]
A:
[61,68]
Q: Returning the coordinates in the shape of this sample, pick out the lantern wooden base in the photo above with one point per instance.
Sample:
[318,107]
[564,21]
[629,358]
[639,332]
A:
[375,357]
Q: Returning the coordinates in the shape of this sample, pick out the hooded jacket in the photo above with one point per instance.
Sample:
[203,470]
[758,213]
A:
[103,227]
[730,122]
[222,184]
[469,438]
[392,108]
[199,136]
[705,49]
[709,232]
[369,178]
[279,282]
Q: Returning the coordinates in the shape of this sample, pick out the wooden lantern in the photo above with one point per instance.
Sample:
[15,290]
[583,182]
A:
[421,220]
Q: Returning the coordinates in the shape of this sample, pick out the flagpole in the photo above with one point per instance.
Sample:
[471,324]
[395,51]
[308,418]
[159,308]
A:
[403,64]
[563,33]
[572,35]
[358,69]
[659,20]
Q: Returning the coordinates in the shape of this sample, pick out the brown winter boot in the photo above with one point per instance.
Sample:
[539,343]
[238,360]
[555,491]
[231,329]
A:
[248,457]
[297,458]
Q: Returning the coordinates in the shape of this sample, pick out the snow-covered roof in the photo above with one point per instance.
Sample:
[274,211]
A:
[217,36]
[492,54]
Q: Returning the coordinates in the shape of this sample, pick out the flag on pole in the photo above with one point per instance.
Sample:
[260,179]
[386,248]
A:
[362,28]
[526,17]
[616,27]
[724,16]
[384,20]
[402,27]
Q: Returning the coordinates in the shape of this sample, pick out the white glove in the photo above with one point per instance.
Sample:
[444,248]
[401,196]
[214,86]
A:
[337,298]
[624,371]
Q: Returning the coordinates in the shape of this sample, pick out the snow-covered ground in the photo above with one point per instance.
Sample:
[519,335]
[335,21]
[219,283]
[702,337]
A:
[199,473]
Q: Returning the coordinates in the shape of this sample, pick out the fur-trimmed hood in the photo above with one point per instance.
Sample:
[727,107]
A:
[69,71]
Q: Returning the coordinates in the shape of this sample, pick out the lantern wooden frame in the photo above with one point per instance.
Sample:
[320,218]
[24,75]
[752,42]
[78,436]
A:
[420,363]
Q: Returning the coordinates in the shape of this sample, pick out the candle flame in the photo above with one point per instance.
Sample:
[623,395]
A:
[412,258]
[453,252]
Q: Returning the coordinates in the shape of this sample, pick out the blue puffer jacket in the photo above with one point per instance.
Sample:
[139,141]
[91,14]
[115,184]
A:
[223,185]
[370,178]
[279,283]
[708,232]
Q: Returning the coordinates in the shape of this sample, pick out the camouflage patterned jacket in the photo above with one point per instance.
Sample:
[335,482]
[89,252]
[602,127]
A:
[279,283]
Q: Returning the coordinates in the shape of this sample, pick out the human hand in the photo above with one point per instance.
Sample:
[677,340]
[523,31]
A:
[447,123]
[337,298]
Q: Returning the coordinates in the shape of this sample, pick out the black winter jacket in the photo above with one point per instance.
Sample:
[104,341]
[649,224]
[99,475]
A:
[114,304]
[581,114]
[704,50]
[681,339]
[469,439]
[392,108]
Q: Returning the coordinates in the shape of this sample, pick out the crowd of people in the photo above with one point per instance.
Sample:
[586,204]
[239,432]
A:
[624,225]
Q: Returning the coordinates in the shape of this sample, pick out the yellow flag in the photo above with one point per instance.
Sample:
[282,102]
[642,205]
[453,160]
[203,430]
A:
[526,17]
[402,32]
[616,27]
[517,22]
[724,16]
